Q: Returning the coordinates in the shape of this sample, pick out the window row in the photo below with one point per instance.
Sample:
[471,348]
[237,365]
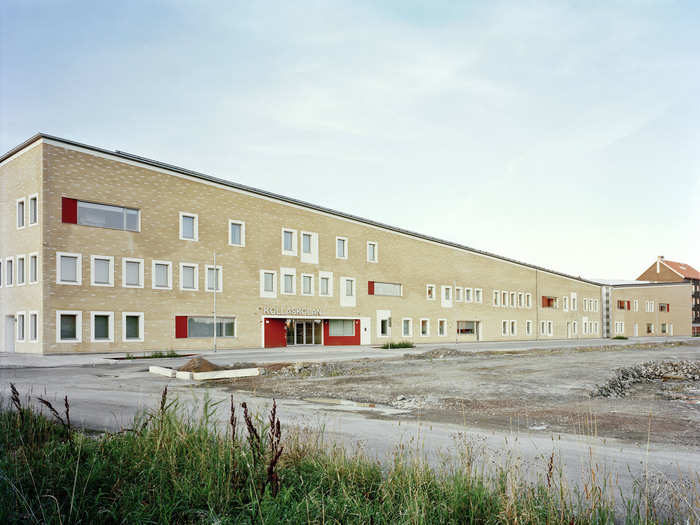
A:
[461,294]
[69,326]
[69,271]
[506,299]
[269,286]
[27,327]
[19,270]
[510,328]
[567,302]
[27,206]
[590,305]
[310,246]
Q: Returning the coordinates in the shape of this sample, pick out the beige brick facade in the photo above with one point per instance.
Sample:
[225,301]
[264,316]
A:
[55,169]
[637,311]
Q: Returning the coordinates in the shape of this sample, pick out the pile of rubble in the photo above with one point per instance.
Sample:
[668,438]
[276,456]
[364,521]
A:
[618,385]
[316,370]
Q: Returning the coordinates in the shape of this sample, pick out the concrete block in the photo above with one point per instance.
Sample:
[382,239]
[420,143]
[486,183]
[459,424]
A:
[184,375]
[161,371]
[225,374]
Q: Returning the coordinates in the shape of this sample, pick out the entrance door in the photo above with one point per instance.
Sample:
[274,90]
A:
[306,333]
[10,333]
[636,330]
[365,335]
[670,329]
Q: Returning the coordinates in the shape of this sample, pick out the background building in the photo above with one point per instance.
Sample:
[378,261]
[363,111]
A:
[670,271]
[110,252]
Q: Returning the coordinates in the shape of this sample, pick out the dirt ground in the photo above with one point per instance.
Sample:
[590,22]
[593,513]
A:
[539,390]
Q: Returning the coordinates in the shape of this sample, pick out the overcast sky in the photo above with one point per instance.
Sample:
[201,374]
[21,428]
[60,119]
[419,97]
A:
[560,135]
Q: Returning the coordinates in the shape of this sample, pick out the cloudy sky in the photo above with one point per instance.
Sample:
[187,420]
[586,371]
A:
[557,134]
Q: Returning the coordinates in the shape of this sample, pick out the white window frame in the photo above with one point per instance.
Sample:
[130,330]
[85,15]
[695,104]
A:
[505,298]
[33,197]
[2,270]
[420,327]
[109,258]
[11,260]
[505,326]
[574,302]
[574,327]
[36,279]
[410,327]
[263,292]
[23,200]
[195,227]
[78,270]
[295,237]
[480,293]
[636,305]
[220,275]
[141,327]
[528,300]
[543,327]
[497,298]
[110,339]
[470,293]
[376,251]
[443,323]
[169,264]
[348,300]
[283,273]
[311,278]
[347,247]
[445,302]
[242,225]
[310,258]
[550,328]
[513,300]
[459,294]
[184,265]
[427,294]
[521,300]
[329,276]
[513,328]
[78,326]
[565,303]
[21,337]
[34,314]
[22,258]
[141,265]
[528,327]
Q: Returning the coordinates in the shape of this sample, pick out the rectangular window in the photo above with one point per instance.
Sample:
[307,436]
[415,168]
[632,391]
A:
[268,283]
[33,209]
[105,216]
[204,327]
[574,302]
[512,299]
[513,328]
[1,274]
[621,305]
[132,326]
[9,271]
[504,299]
[550,328]
[341,248]
[650,328]
[384,327]
[528,300]
[306,243]
[189,276]
[161,277]
[478,295]
[430,292]
[102,270]
[458,294]
[68,326]
[425,327]
[236,233]
[372,252]
[289,242]
[565,303]
[307,284]
[309,247]
[636,305]
[543,327]
[442,327]
[521,300]
[407,327]
[574,326]
[466,327]
[663,328]
[548,302]
[21,269]
[663,307]
[504,328]
[528,327]
[341,328]
[289,281]
[33,268]
[325,283]
[468,295]
[214,278]
[496,298]
[132,273]
[68,268]
[21,326]
[189,226]
[20,213]
[349,287]
[102,327]
[388,289]
[33,326]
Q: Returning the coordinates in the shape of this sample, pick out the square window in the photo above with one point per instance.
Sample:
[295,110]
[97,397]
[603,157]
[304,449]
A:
[102,327]
[132,273]
[189,276]
[161,275]
[372,252]
[236,233]
[214,278]
[189,226]
[68,326]
[102,270]
[68,269]
[33,209]
[341,248]
[132,326]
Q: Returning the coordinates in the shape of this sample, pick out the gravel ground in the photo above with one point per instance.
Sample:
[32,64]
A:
[636,393]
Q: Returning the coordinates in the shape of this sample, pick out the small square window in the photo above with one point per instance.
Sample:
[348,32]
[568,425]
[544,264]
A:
[132,273]
[68,268]
[68,326]
[102,327]
[132,326]
[162,275]
[102,270]
[189,276]
[189,226]
[236,233]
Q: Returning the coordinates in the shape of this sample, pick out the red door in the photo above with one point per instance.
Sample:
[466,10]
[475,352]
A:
[275,333]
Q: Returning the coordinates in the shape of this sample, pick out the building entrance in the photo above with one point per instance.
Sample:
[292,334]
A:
[304,332]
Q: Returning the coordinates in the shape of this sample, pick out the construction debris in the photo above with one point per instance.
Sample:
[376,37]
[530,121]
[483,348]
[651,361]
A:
[624,378]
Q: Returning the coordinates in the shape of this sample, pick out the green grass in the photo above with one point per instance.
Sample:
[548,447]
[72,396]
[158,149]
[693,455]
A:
[154,355]
[171,468]
[399,344]
[620,337]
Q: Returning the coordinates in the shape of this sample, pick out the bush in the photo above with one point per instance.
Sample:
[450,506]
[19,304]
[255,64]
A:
[620,337]
[400,344]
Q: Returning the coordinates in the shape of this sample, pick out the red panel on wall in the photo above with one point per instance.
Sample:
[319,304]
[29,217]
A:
[69,210]
[545,302]
[275,333]
[668,307]
[181,326]
[628,305]
[338,340]
[370,287]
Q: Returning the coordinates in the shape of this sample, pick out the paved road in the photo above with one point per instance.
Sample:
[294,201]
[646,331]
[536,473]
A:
[108,396]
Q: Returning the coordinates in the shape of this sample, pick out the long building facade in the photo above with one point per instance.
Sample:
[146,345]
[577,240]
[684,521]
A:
[109,252]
